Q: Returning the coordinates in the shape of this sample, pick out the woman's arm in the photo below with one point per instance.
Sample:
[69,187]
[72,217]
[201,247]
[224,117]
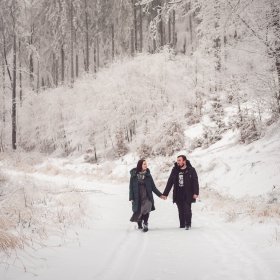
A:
[154,188]
[131,195]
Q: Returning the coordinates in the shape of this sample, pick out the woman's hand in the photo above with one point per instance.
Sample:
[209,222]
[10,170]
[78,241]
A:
[163,197]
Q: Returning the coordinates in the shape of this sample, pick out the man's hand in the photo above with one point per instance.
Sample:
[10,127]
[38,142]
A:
[163,197]
[195,196]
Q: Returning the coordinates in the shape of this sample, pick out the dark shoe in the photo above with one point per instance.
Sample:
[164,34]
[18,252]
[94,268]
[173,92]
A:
[182,226]
[145,227]
[188,227]
[140,225]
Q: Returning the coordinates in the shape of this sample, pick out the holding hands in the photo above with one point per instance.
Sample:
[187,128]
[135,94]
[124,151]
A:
[163,197]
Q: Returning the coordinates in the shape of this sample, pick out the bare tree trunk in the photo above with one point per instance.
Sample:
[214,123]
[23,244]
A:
[217,40]
[72,42]
[53,69]
[154,45]
[278,75]
[174,37]
[132,41]
[3,91]
[56,72]
[135,24]
[87,36]
[276,25]
[141,29]
[191,27]
[169,30]
[14,127]
[95,57]
[161,30]
[97,53]
[20,72]
[77,65]
[62,64]
[31,61]
[3,117]
[38,76]
[113,41]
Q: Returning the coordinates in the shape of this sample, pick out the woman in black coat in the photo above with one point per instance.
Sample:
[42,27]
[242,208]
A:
[141,188]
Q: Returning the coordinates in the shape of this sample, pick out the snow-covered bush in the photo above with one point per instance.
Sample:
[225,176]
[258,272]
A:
[249,132]
[144,150]
[192,117]
[196,142]
[210,136]
[170,139]
[121,146]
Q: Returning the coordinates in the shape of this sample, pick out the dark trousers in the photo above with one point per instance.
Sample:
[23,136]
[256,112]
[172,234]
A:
[185,213]
[145,218]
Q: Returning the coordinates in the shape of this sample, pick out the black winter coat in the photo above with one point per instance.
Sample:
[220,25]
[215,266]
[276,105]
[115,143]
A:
[134,194]
[190,183]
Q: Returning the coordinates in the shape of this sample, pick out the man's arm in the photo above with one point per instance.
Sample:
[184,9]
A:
[169,184]
[195,183]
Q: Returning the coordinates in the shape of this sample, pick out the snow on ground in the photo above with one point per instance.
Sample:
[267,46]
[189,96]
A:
[241,170]
[110,247]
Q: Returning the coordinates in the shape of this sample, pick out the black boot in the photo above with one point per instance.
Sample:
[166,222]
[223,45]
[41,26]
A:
[140,224]
[145,227]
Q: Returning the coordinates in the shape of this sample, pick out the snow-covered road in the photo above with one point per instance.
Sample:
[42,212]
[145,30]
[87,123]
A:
[110,247]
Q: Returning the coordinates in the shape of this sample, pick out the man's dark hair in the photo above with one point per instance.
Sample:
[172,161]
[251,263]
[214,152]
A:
[139,165]
[183,157]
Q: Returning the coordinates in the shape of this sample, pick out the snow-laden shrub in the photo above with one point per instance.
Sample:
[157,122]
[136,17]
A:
[210,136]
[193,114]
[47,146]
[121,146]
[144,150]
[248,131]
[90,156]
[192,117]
[196,142]
[170,139]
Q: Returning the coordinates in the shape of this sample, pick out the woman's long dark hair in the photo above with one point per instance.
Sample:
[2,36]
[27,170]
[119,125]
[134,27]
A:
[139,165]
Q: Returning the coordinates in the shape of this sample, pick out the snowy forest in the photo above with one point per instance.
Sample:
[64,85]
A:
[229,51]
[88,87]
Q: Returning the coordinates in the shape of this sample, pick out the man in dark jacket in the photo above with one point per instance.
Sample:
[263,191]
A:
[183,179]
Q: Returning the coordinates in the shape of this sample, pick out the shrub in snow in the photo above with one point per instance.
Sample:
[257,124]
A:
[192,117]
[144,150]
[217,114]
[91,155]
[197,142]
[248,131]
[47,146]
[170,139]
[121,146]
[210,136]
[274,195]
